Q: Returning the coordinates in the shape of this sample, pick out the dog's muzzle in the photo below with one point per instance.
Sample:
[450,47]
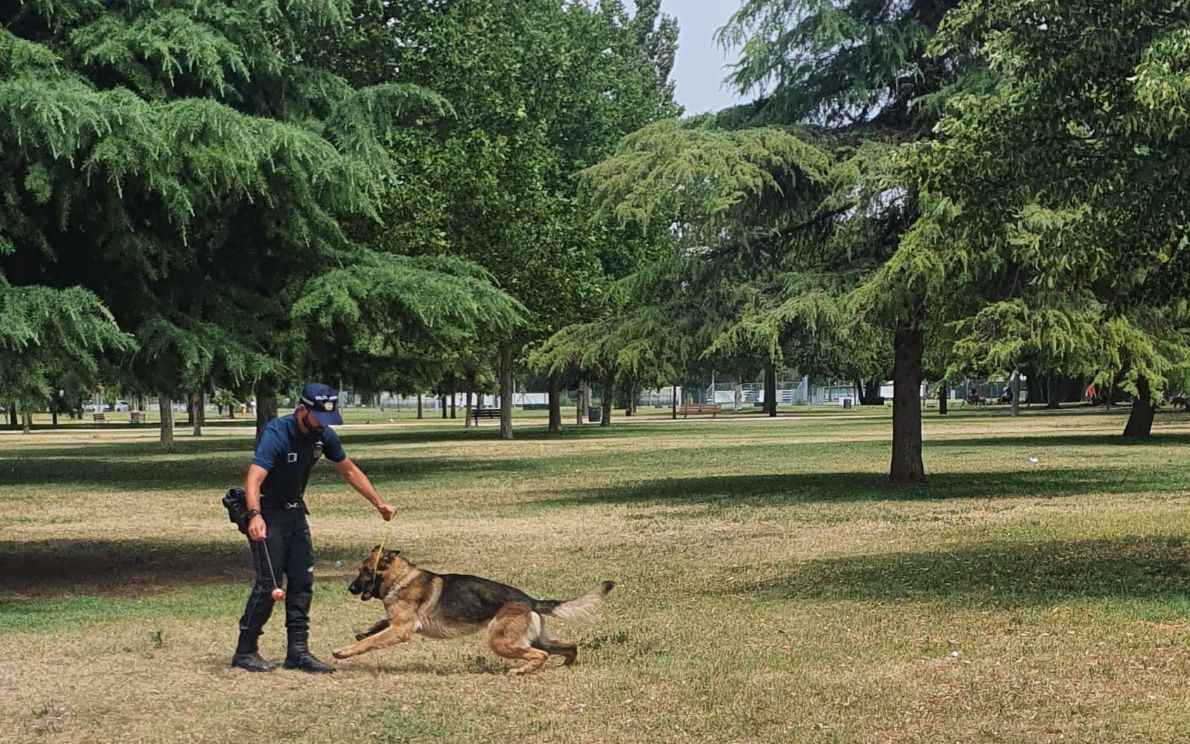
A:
[364,590]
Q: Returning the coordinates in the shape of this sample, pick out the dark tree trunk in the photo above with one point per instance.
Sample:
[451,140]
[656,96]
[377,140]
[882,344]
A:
[1140,421]
[167,423]
[419,414]
[442,405]
[189,409]
[943,399]
[266,409]
[12,415]
[673,403]
[770,389]
[453,403]
[198,411]
[1053,397]
[869,392]
[54,413]
[609,390]
[1015,387]
[630,396]
[506,388]
[580,408]
[907,466]
[467,410]
[26,420]
[554,393]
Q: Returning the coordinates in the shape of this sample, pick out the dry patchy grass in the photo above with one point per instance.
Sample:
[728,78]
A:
[771,586]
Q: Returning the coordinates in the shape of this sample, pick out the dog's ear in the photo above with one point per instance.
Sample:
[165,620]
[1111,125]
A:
[394,552]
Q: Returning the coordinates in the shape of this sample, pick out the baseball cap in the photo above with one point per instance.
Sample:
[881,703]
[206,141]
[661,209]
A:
[322,402]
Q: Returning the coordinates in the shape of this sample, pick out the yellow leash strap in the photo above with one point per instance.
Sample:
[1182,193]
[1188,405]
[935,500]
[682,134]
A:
[388,527]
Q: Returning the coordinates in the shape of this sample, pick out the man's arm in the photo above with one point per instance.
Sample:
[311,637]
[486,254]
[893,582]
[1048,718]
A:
[357,480]
[256,476]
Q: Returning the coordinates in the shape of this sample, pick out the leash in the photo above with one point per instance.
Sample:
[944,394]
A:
[268,559]
[388,527]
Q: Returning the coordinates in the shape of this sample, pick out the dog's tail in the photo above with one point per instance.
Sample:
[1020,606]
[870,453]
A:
[578,610]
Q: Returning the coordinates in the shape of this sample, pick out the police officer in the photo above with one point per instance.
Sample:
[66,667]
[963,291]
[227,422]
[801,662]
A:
[288,449]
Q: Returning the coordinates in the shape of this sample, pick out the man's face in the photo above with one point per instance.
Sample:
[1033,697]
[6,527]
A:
[308,422]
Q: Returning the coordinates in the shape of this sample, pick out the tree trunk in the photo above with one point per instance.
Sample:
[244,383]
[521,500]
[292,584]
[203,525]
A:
[266,409]
[907,466]
[165,403]
[1053,398]
[584,396]
[943,399]
[199,409]
[453,405]
[26,420]
[12,415]
[54,413]
[554,388]
[609,390]
[673,403]
[506,388]
[1015,386]
[770,389]
[442,405]
[630,394]
[467,400]
[419,414]
[869,392]
[189,409]
[1140,421]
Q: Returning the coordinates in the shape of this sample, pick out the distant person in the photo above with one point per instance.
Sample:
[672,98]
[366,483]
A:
[288,448]
[1006,396]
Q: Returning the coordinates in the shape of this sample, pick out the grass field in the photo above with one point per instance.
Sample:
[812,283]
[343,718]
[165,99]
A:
[771,587]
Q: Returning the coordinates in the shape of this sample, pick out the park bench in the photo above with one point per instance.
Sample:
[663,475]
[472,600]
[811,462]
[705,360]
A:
[488,413]
[99,418]
[699,408]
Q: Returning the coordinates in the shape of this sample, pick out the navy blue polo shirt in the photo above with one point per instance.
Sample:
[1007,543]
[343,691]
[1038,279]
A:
[289,455]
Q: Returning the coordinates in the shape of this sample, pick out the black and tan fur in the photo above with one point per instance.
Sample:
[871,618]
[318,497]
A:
[452,605]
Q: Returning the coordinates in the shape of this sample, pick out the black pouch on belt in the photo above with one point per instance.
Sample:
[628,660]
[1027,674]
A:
[237,508]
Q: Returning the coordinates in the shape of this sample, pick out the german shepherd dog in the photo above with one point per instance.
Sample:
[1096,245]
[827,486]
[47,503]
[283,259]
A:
[452,605]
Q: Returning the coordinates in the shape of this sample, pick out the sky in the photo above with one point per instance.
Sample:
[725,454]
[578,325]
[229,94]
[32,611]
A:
[700,65]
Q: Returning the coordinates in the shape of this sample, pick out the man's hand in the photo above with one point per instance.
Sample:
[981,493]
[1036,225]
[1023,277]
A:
[256,528]
[386,512]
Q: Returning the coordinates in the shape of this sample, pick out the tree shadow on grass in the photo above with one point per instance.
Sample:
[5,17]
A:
[1007,574]
[130,568]
[1043,442]
[842,487]
[217,473]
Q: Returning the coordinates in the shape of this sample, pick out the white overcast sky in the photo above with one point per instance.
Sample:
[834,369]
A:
[701,65]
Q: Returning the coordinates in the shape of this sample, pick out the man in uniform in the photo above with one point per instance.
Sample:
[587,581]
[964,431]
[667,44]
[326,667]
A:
[285,454]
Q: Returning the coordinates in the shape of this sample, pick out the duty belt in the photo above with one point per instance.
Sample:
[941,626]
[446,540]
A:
[267,503]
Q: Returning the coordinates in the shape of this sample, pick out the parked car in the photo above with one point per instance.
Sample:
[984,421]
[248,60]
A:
[93,408]
[121,406]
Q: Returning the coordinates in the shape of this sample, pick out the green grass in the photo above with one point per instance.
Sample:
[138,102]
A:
[771,585]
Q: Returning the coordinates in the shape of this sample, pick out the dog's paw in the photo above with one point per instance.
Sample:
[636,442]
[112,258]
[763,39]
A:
[341,653]
[361,636]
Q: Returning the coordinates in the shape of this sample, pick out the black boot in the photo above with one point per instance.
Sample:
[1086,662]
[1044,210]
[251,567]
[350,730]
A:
[299,657]
[246,656]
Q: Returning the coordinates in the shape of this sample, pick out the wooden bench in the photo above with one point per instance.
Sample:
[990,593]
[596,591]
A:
[98,418]
[699,408]
[488,413]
